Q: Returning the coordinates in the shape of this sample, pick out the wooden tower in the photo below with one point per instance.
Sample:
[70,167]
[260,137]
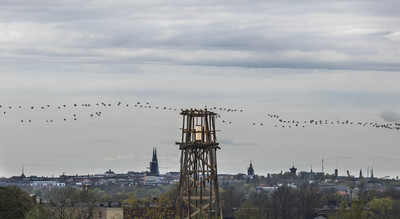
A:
[198,193]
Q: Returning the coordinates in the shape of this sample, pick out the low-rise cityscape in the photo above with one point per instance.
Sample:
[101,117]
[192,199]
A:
[328,195]
[152,177]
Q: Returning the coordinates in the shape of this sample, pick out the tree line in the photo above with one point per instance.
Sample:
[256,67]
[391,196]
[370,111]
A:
[307,200]
[240,199]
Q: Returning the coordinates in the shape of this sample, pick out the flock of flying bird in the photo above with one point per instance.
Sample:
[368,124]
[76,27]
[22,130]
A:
[279,122]
[295,123]
[74,116]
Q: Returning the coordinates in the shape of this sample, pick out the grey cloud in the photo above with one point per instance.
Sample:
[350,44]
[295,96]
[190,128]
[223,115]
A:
[262,35]
[390,116]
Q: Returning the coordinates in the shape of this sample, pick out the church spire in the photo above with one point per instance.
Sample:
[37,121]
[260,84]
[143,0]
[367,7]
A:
[372,172]
[250,170]
[23,174]
[154,154]
[154,164]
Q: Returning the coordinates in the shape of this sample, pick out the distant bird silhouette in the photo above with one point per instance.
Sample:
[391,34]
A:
[284,123]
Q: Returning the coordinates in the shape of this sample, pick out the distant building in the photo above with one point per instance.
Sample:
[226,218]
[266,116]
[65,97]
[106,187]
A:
[172,177]
[154,180]
[311,175]
[23,174]
[98,211]
[372,172]
[42,184]
[108,212]
[250,170]
[154,164]
[293,170]
[109,173]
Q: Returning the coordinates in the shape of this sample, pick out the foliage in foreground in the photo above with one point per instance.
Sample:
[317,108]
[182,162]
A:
[14,202]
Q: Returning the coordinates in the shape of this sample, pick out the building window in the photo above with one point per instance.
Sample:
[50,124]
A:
[100,214]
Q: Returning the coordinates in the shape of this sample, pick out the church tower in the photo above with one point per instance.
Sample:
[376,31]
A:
[372,172]
[293,170]
[154,164]
[250,170]
[23,174]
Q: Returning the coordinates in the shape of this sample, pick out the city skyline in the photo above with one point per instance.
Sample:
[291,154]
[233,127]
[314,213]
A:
[250,172]
[300,60]
[152,170]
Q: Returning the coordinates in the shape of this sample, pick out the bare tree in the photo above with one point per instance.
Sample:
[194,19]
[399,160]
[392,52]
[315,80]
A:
[283,201]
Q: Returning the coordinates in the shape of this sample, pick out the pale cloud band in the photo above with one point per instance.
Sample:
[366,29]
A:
[281,34]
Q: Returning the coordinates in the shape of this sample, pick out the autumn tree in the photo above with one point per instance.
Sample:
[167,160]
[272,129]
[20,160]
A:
[160,207]
[133,207]
[39,211]
[70,202]
[86,199]
[356,211]
[381,207]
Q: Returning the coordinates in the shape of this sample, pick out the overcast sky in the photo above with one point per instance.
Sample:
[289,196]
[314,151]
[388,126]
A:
[301,60]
